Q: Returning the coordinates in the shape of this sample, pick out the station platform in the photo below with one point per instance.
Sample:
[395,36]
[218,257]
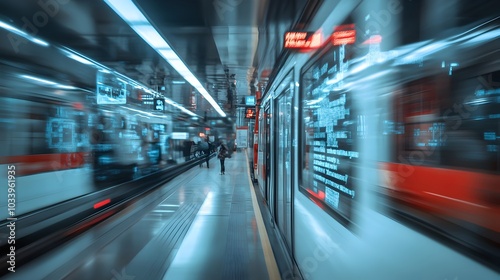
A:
[200,225]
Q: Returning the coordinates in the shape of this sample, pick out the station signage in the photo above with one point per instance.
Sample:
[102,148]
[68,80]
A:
[159,104]
[250,100]
[250,113]
[110,89]
[302,40]
[147,99]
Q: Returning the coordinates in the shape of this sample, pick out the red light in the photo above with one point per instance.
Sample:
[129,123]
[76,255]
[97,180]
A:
[102,203]
[302,40]
[344,35]
[250,113]
[375,39]
[78,106]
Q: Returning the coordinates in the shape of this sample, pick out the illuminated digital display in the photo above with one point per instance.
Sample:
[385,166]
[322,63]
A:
[147,99]
[332,128]
[302,40]
[344,35]
[159,104]
[250,113]
[110,89]
[424,135]
[250,100]
[180,135]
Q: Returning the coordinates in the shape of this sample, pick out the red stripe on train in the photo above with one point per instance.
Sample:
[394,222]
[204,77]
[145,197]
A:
[465,195]
[33,164]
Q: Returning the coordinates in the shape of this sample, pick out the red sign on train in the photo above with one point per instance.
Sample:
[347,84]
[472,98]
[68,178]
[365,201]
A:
[344,35]
[302,40]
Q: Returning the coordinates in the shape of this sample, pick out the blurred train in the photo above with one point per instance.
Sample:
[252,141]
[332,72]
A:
[71,126]
[392,142]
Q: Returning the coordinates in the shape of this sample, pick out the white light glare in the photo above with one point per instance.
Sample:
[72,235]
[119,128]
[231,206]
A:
[168,54]
[151,36]
[40,80]
[426,50]
[23,34]
[47,82]
[129,12]
[77,57]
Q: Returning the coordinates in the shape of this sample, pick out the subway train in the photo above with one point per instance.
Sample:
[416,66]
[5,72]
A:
[71,126]
[391,140]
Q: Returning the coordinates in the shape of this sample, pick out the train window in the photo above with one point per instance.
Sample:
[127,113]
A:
[474,121]
[451,122]
[40,127]
[330,134]
[418,108]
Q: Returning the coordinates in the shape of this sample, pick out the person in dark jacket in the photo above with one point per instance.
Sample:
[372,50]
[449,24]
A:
[187,149]
[206,150]
[223,153]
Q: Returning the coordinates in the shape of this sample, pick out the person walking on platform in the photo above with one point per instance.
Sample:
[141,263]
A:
[223,153]
[205,147]
[186,151]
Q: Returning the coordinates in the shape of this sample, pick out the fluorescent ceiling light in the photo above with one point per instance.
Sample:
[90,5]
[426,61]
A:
[40,80]
[180,107]
[168,54]
[187,111]
[38,41]
[151,36]
[47,82]
[131,14]
[77,57]
[128,11]
[65,87]
[23,34]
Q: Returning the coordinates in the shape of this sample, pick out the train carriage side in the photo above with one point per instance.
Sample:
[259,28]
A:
[62,142]
[400,153]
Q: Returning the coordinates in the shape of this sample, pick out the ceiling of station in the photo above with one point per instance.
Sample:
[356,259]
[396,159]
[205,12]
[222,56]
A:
[225,43]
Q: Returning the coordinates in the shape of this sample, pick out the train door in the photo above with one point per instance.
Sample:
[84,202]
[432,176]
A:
[267,158]
[261,146]
[250,138]
[283,164]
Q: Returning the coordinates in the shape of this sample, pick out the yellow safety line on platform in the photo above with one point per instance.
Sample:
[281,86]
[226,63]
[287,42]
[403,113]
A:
[272,267]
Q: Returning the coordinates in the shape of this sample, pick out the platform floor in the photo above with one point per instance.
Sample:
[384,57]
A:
[201,225]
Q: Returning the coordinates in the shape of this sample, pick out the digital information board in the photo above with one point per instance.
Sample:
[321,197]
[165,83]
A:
[159,104]
[110,89]
[330,124]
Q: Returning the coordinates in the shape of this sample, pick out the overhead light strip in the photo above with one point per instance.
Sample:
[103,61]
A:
[131,14]
[23,34]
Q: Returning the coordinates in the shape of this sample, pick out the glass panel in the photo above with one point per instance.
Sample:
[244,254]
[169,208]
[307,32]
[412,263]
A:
[331,128]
